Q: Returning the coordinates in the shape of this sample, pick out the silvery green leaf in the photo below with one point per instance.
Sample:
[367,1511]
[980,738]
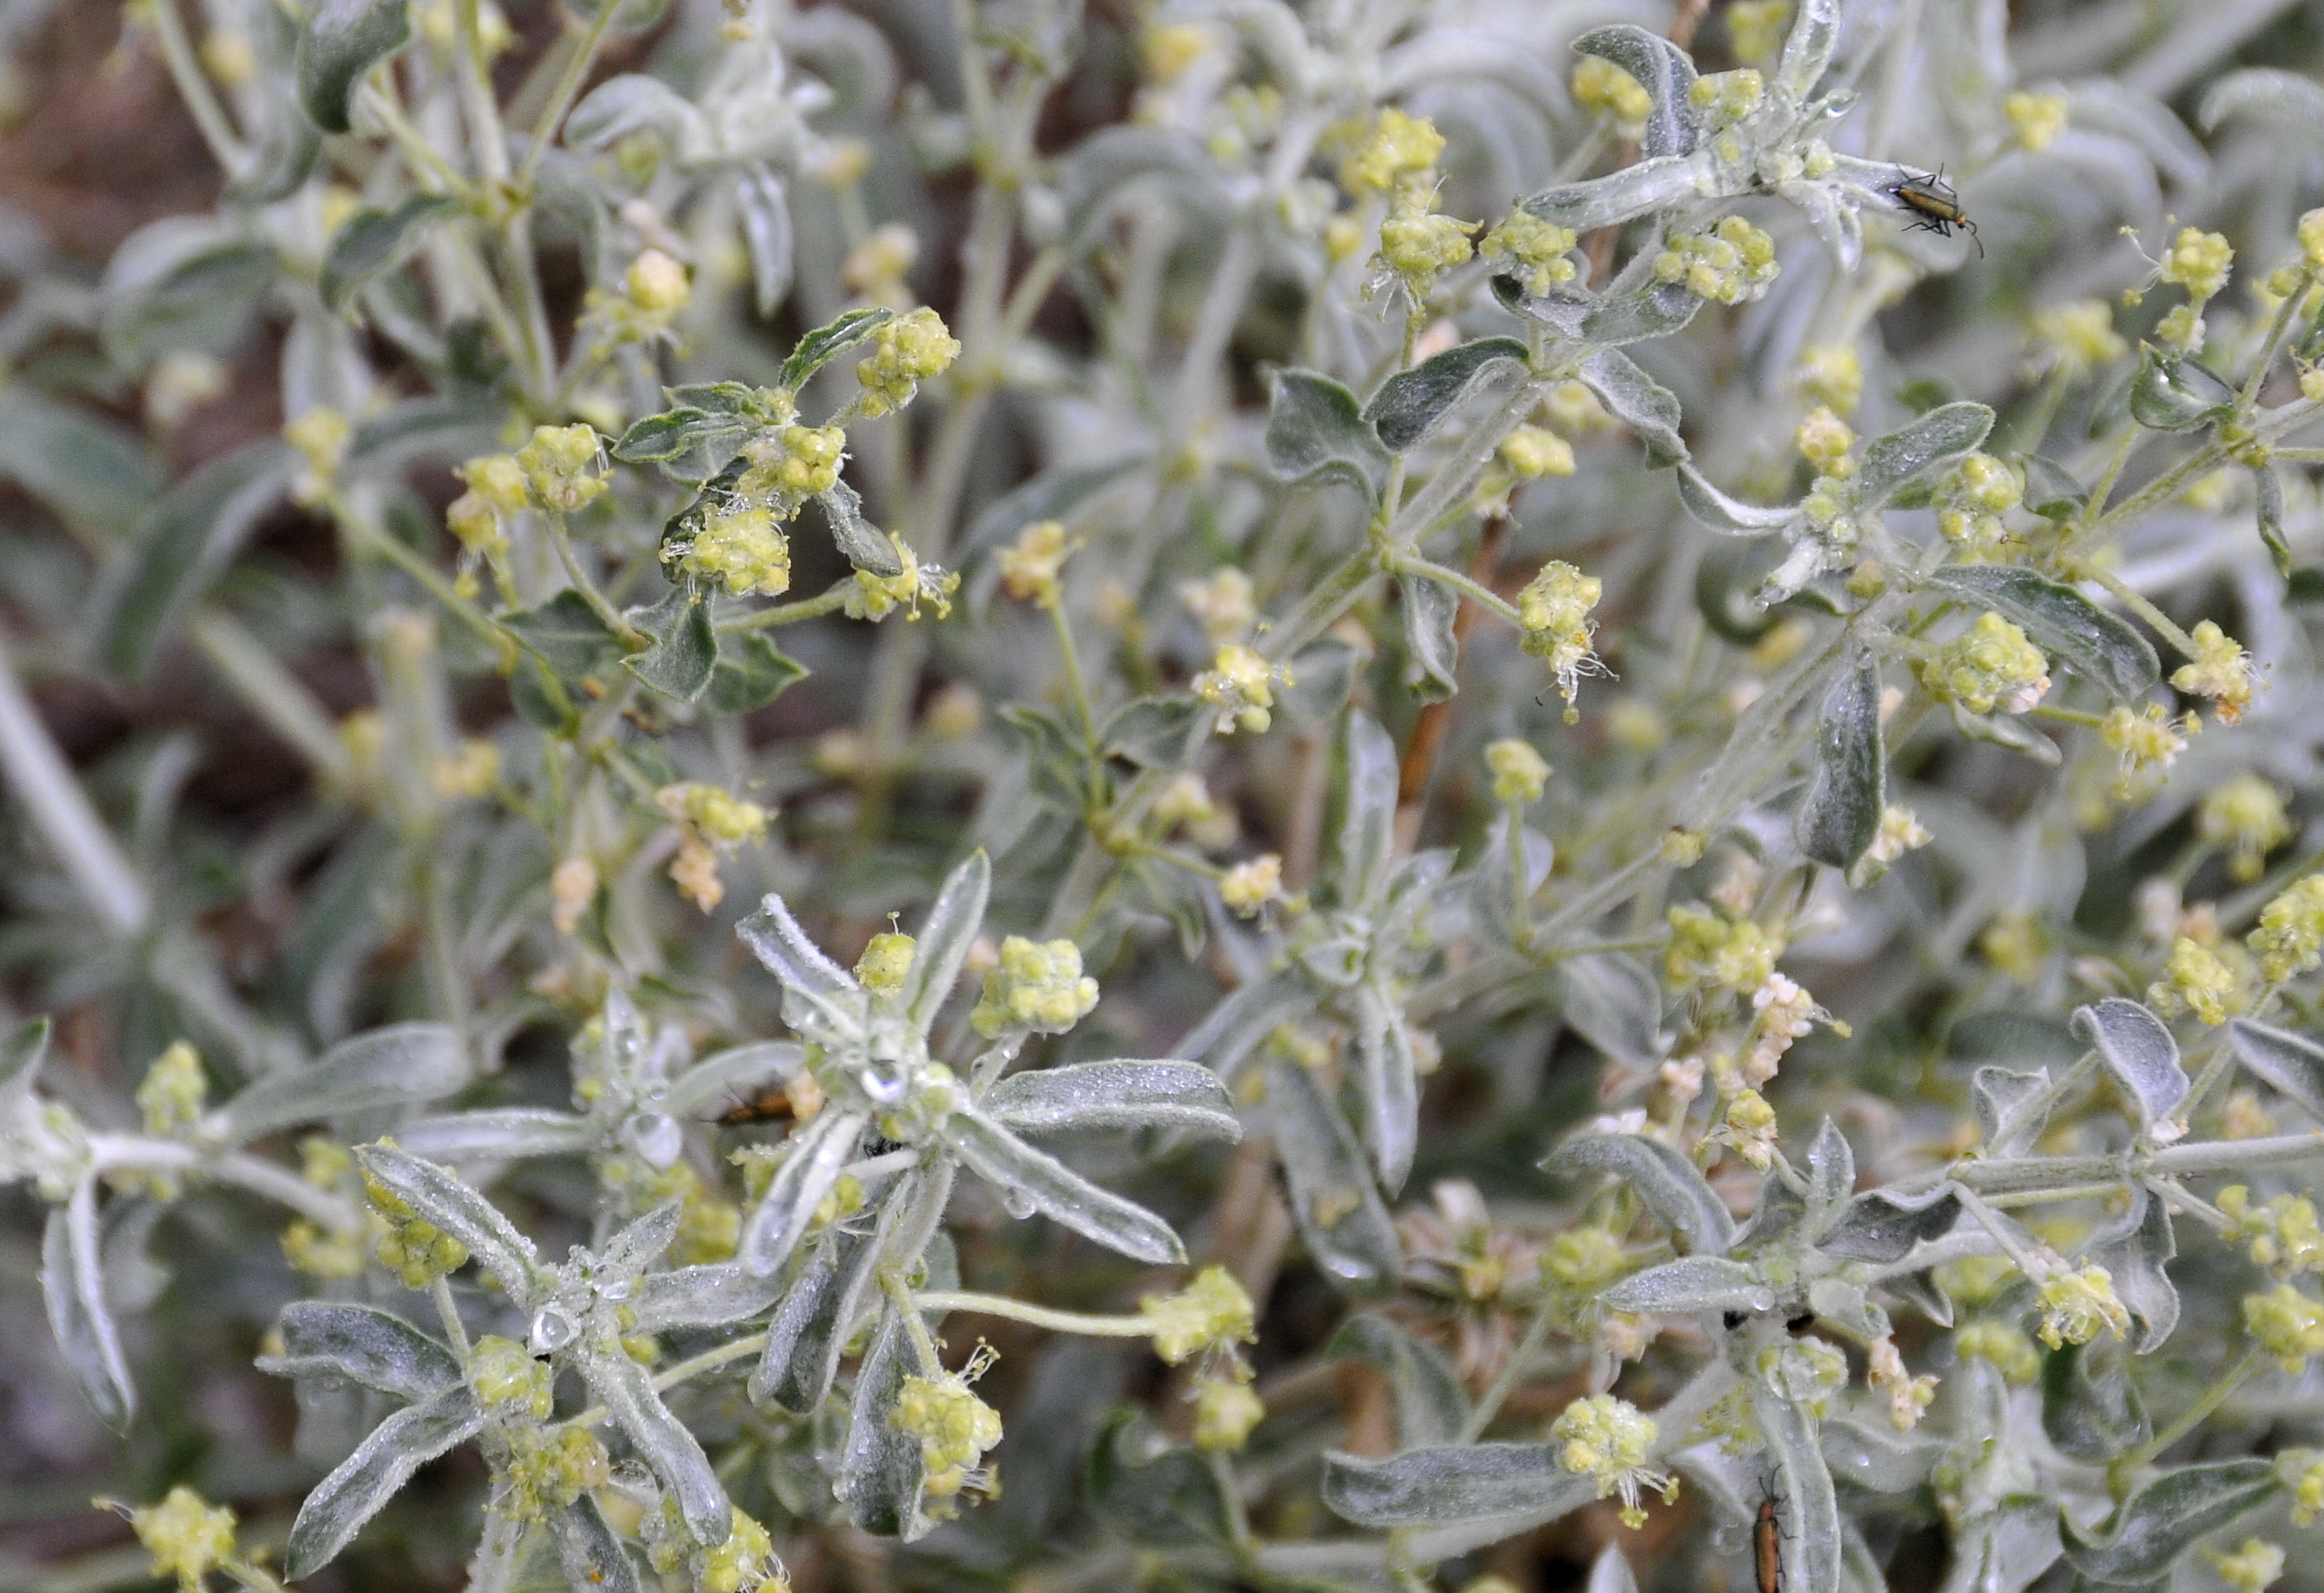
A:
[707,1296]
[1076,1096]
[828,341]
[1839,816]
[1808,48]
[589,1551]
[627,1392]
[1431,1405]
[497,1134]
[817,993]
[2174,392]
[1409,403]
[1654,184]
[371,242]
[684,652]
[1435,1487]
[637,1245]
[1639,402]
[1665,1183]
[2268,488]
[944,940]
[1691,1283]
[21,1053]
[2050,490]
[2134,1254]
[691,445]
[2288,99]
[2006,1549]
[1612,1001]
[1919,1290]
[1832,1177]
[566,634]
[1664,71]
[182,544]
[2093,1415]
[881,1470]
[363,1483]
[1729,516]
[2010,1107]
[766,233]
[457,1210]
[1880,1226]
[1843,1306]
[360,1344]
[1386,1078]
[2138,1050]
[1152,732]
[1809,1521]
[1153,1493]
[731,1073]
[1602,320]
[1348,1230]
[1936,439]
[2149,1531]
[1365,842]
[1778,1215]
[342,40]
[2107,651]
[818,1151]
[1244,1018]
[1432,641]
[810,1329]
[1874,1456]
[1316,428]
[858,539]
[401,1064]
[1008,1164]
[1610,1572]
[2291,1064]
[1324,677]
[2000,729]
[633,103]
[1834,217]
[72,1284]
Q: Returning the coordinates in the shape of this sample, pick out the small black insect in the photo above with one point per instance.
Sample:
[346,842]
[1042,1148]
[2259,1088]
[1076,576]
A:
[1802,1322]
[1935,204]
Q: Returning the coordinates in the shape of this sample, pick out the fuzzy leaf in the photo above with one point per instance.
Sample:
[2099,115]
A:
[1365,842]
[1153,1493]
[2161,1521]
[1056,1192]
[2135,1255]
[372,243]
[1081,1096]
[2268,488]
[2050,490]
[766,216]
[1714,510]
[707,1296]
[91,471]
[1431,1405]
[497,1134]
[2291,1064]
[828,341]
[183,543]
[752,673]
[1935,439]
[2285,97]
[881,1470]
[589,1551]
[2175,392]
[1809,1521]
[342,40]
[860,541]
[1691,1283]
[945,939]
[829,991]
[2138,1050]
[1657,183]
[1435,1487]
[1667,1182]
[362,1484]
[21,1051]
[685,651]
[1610,1572]
[1409,403]
[1832,1177]
[72,1284]
[457,1210]
[1316,428]
[1883,1228]
[2107,651]
[360,1344]
[400,1065]
[1840,816]
[1348,1230]
[662,1441]
[1387,1078]
[811,1326]
[2003,1101]
[567,634]
[2090,1417]
[1664,71]
[1152,731]
[819,1150]
[1612,1001]
[1432,642]
[1602,320]
[1639,402]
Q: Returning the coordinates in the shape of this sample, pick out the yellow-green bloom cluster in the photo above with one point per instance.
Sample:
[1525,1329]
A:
[1583,1260]
[791,463]
[1833,375]
[906,352]
[1037,986]
[2251,1568]
[1251,886]
[1973,497]
[1722,953]
[1532,250]
[886,963]
[1520,774]
[2291,934]
[1733,262]
[2288,1324]
[1532,452]
[173,1091]
[2079,1303]
[2246,815]
[1221,602]
[1599,85]
[953,1426]
[560,464]
[1725,99]
[2078,335]
[1749,1126]
[188,1537]
[1400,153]
[1417,243]
[2195,979]
[1029,565]
[2282,1235]
[2197,261]
[547,1470]
[1755,28]
[1225,1411]
[1825,439]
[2038,118]
[654,291]
[410,1246]
[1241,684]
[321,437]
[2220,670]
[1213,1310]
[1609,1440]
[744,1563]
[2301,1473]
[1990,665]
[1554,612]
[719,814]
[2010,1351]
[2150,738]
[322,1253]
[876,597]
[743,551]
[509,1381]
[497,489]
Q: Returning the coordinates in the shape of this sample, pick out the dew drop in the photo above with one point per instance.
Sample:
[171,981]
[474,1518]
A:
[552,1330]
[1017,1202]
[658,1139]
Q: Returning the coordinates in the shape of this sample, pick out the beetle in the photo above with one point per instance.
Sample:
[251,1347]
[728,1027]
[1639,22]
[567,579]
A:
[767,1105]
[1767,1547]
[1934,203]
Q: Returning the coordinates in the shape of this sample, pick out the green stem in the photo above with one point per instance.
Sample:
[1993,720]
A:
[567,89]
[2196,1414]
[2137,603]
[1037,1316]
[1505,1381]
[570,557]
[1477,592]
[833,596]
[194,87]
[1054,600]
[486,139]
[447,1311]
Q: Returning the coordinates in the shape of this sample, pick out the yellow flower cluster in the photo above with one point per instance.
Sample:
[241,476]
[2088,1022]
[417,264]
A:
[653,293]
[1832,375]
[2195,979]
[174,1090]
[1717,952]
[2282,1235]
[1755,28]
[1973,497]
[1554,612]
[953,1426]
[906,352]
[1251,886]
[1990,665]
[2246,815]
[1533,251]
[2150,738]
[1608,1441]
[2010,1351]
[743,549]
[2288,1324]
[561,465]
[188,1537]
[413,1248]
[2078,335]
[1532,452]
[1725,99]
[2038,118]
[1029,566]
[1213,1311]
[1825,439]
[876,597]
[1520,774]
[1599,85]
[1037,986]
[1733,262]
[2220,670]
[2077,1304]
[1241,684]
[2291,934]
[886,963]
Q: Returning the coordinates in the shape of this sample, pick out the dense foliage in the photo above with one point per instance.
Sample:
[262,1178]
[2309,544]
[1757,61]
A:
[1394,791]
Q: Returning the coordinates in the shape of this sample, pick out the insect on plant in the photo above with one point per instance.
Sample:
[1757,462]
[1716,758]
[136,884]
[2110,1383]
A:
[1767,1547]
[1936,204]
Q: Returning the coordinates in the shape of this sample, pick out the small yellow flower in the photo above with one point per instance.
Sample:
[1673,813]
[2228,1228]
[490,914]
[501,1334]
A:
[2288,1324]
[1037,985]
[1029,565]
[2077,1302]
[1720,953]
[1241,684]
[174,1090]
[743,551]
[2039,119]
[876,597]
[1990,665]
[906,352]
[1725,99]
[1212,1311]
[2078,335]
[953,1426]
[188,1537]
[321,437]
[1222,604]
[1401,152]
[2194,980]
[1825,439]
[2150,738]
[1750,1128]
[560,464]
[1610,1441]
[2246,815]
[1732,262]
[1248,886]
[1554,612]
[2220,670]
[2251,1568]
[2290,933]
[1532,452]
[1756,28]
[1225,1411]
[2009,1351]
[2199,261]
[2301,1472]
[886,963]
[2282,1236]
[1599,85]
[1520,774]
[1832,375]
[1535,250]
